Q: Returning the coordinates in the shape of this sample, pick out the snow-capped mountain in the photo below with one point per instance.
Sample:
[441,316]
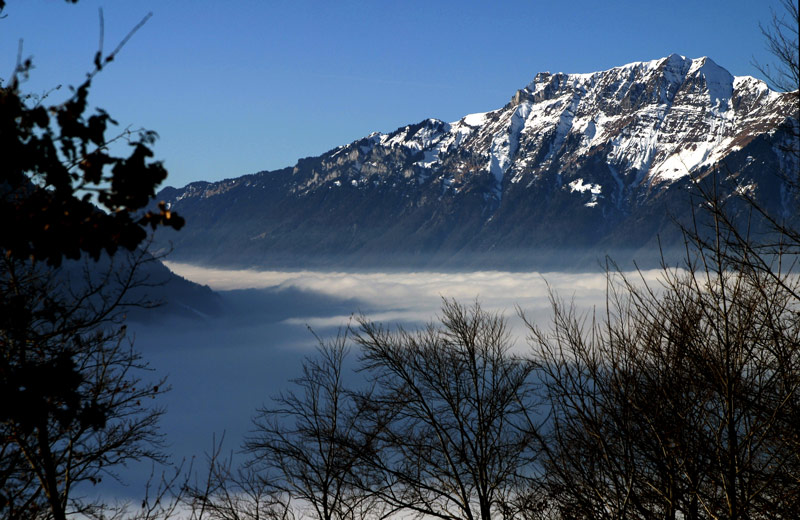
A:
[575,165]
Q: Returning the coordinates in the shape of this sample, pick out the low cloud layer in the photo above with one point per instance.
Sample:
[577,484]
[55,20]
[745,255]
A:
[416,296]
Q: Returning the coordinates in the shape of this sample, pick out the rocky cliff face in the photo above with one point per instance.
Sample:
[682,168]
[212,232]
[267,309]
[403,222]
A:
[575,166]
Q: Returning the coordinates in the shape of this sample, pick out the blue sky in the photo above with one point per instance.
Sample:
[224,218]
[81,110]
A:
[234,87]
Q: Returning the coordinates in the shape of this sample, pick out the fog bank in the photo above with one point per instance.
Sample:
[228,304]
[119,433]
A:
[414,297]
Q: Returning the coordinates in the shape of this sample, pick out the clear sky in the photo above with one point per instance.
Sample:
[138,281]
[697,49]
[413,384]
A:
[239,86]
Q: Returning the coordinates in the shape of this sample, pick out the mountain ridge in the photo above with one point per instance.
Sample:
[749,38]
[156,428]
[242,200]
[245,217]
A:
[588,162]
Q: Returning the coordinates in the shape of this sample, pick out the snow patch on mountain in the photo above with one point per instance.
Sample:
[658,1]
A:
[505,145]
[594,190]
[474,119]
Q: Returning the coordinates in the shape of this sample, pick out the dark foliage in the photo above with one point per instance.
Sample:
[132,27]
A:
[73,402]
[74,405]
[56,161]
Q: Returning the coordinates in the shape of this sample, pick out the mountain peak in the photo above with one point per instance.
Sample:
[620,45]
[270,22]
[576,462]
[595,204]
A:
[652,122]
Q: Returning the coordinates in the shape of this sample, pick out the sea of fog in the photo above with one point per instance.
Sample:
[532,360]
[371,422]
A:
[221,369]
